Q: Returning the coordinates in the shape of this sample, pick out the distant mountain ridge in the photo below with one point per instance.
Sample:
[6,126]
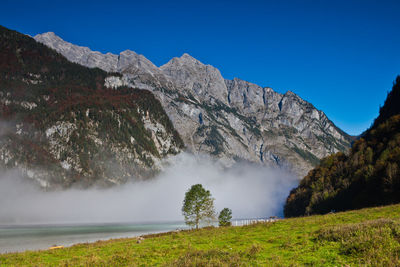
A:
[230,119]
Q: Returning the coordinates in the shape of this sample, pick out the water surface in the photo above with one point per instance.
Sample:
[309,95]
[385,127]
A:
[35,237]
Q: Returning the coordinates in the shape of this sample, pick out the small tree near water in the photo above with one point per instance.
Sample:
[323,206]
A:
[198,206]
[225,217]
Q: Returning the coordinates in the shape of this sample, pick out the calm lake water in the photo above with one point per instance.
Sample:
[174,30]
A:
[36,237]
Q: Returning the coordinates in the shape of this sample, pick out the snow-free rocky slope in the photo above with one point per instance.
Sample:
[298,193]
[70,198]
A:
[230,119]
[61,126]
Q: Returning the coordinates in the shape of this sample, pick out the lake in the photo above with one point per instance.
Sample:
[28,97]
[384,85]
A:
[35,237]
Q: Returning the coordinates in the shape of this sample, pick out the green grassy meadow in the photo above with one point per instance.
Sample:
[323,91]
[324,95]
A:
[362,237]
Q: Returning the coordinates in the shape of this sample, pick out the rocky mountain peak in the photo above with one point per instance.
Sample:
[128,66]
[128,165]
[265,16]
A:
[293,97]
[290,93]
[49,36]
[268,89]
[128,52]
[186,58]
[204,82]
[129,58]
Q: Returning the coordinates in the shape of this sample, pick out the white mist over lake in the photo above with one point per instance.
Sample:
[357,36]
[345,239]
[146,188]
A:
[249,190]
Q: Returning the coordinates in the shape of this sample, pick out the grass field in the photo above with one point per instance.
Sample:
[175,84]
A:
[363,237]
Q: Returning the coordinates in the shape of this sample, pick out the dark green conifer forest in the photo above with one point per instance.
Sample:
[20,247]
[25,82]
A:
[369,175]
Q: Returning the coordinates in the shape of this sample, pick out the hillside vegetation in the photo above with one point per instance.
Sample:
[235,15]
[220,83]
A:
[62,126]
[368,176]
[362,237]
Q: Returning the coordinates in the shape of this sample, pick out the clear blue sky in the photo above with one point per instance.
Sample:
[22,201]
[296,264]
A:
[342,56]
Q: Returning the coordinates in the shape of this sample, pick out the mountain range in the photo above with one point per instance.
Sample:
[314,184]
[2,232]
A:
[71,116]
[233,120]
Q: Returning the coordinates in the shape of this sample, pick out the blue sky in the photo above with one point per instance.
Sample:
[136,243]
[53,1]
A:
[342,56]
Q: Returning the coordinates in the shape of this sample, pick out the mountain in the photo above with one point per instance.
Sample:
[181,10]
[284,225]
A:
[62,126]
[369,175]
[234,120]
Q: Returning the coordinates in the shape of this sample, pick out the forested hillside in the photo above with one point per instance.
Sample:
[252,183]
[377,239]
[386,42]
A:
[61,125]
[368,176]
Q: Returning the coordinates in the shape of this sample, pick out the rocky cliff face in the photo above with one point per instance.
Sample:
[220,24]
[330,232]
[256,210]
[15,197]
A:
[230,119]
[62,124]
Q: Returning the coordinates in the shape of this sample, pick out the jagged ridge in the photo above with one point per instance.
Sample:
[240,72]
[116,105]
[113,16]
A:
[231,119]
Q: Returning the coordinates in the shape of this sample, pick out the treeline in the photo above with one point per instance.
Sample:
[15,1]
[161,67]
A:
[369,175]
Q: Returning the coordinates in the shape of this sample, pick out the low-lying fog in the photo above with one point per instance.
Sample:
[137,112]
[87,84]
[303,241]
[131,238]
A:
[250,191]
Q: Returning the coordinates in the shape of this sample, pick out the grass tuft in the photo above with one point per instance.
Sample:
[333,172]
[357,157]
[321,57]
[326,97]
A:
[374,242]
[213,257]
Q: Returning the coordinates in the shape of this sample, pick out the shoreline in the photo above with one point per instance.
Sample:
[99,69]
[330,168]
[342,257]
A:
[17,239]
[68,235]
